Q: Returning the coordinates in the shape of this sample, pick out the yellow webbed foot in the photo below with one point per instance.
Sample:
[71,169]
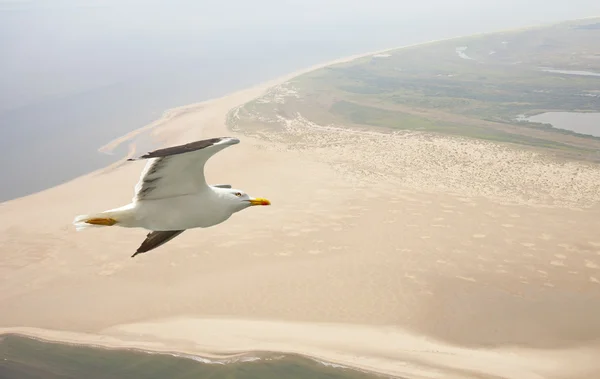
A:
[101,221]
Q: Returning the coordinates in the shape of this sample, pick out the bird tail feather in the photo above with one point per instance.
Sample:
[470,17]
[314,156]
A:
[96,220]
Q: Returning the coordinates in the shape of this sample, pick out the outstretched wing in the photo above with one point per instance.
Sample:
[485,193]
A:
[156,239]
[177,170]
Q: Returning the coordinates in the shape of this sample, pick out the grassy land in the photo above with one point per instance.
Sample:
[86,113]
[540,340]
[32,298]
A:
[373,116]
[474,86]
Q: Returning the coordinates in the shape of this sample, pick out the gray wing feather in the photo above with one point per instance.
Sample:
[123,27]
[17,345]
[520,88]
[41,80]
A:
[156,239]
[180,149]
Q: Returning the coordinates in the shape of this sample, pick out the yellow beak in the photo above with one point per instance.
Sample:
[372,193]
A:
[259,201]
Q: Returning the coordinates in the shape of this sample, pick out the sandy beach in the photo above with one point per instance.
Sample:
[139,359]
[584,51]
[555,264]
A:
[406,254]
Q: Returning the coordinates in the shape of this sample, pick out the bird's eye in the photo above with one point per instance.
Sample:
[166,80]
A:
[238,194]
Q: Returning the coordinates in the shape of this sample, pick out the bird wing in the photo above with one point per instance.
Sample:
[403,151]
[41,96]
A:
[156,239]
[177,170]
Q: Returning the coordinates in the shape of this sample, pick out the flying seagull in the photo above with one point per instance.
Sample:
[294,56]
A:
[172,195]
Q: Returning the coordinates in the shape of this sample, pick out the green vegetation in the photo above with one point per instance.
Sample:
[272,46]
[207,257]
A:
[373,116]
[474,86]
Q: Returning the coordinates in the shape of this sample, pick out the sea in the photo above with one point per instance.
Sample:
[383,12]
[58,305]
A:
[51,139]
[73,80]
[28,358]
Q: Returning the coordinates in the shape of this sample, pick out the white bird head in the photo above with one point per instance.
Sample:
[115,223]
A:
[240,200]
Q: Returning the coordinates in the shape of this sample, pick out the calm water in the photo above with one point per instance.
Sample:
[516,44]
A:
[25,358]
[73,79]
[55,138]
[584,123]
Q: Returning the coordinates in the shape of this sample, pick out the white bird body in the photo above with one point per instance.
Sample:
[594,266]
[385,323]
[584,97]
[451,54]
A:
[174,213]
[172,195]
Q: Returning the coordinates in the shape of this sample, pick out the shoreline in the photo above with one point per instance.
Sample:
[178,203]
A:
[386,350]
[207,357]
[239,98]
[246,95]
[204,357]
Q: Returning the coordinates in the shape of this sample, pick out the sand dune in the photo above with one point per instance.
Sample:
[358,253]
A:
[411,255]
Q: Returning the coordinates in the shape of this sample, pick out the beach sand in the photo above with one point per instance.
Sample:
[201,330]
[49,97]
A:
[405,254]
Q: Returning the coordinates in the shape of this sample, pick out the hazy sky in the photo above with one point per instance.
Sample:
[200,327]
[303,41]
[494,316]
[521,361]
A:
[51,47]
[187,15]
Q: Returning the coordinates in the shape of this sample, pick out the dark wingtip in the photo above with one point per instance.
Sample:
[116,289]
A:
[134,254]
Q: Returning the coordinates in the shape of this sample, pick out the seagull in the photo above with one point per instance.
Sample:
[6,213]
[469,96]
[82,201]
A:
[172,195]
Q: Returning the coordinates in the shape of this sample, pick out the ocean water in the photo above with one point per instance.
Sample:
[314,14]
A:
[72,80]
[26,358]
[52,139]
